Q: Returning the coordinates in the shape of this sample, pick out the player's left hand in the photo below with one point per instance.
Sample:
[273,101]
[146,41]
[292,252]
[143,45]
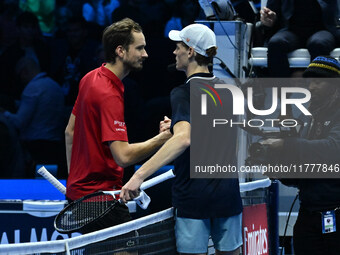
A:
[131,189]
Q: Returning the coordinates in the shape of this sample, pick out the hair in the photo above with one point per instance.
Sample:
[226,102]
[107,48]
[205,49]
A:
[203,60]
[118,33]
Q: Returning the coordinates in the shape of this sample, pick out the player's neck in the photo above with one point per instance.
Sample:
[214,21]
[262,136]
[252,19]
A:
[194,68]
[118,69]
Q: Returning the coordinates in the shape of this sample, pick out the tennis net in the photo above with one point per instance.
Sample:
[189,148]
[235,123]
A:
[153,234]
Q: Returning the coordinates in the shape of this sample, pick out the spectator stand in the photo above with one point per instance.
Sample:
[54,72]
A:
[299,58]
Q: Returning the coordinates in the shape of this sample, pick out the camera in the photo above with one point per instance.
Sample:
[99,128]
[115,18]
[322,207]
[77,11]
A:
[261,153]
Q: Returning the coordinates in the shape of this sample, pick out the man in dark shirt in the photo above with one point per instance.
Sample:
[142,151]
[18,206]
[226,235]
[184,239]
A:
[204,207]
[318,145]
[40,116]
[307,24]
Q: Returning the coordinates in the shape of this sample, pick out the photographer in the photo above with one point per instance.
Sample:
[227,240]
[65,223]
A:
[317,229]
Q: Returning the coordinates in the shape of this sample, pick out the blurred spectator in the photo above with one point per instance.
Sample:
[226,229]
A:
[30,44]
[63,13]
[319,145]
[44,11]
[299,24]
[40,118]
[12,157]
[185,14]
[99,11]
[73,58]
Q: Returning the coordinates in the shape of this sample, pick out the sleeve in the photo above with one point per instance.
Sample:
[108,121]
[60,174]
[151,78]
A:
[325,151]
[180,105]
[26,109]
[74,109]
[112,121]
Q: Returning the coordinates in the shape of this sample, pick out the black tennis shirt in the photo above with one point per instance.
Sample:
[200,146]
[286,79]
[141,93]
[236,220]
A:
[200,198]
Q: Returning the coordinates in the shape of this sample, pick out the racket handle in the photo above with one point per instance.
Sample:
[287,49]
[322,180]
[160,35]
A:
[158,179]
[57,184]
[149,183]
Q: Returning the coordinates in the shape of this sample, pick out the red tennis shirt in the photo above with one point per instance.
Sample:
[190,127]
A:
[99,112]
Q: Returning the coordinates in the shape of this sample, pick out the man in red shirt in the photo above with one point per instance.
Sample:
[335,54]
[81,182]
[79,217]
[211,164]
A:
[97,145]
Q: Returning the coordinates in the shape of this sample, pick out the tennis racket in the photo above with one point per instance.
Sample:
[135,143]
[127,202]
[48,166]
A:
[99,210]
[48,176]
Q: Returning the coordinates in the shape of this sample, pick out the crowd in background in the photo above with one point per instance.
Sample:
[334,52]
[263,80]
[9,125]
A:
[47,46]
[62,38]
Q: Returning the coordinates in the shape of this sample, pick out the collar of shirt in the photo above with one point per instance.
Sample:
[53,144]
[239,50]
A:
[38,76]
[105,71]
[208,76]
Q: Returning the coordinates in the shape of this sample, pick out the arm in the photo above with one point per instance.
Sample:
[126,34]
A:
[126,154]
[301,150]
[26,110]
[174,147]
[69,139]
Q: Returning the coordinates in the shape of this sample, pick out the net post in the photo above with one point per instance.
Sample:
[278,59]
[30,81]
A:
[273,220]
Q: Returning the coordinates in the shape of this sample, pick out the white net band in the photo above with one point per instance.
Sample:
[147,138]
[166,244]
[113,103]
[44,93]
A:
[80,241]
[249,186]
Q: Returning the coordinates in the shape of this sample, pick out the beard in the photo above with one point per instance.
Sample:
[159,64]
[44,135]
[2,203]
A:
[134,66]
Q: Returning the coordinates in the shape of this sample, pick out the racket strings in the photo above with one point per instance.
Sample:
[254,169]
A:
[84,212]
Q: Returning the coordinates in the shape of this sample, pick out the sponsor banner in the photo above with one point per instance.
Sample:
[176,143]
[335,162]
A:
[255,230]
[30,221]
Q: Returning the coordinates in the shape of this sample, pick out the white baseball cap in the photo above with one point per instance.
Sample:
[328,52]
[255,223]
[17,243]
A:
[197,36]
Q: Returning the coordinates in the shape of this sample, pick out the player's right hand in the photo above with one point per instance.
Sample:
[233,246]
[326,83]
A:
[131,189]
[164,125]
